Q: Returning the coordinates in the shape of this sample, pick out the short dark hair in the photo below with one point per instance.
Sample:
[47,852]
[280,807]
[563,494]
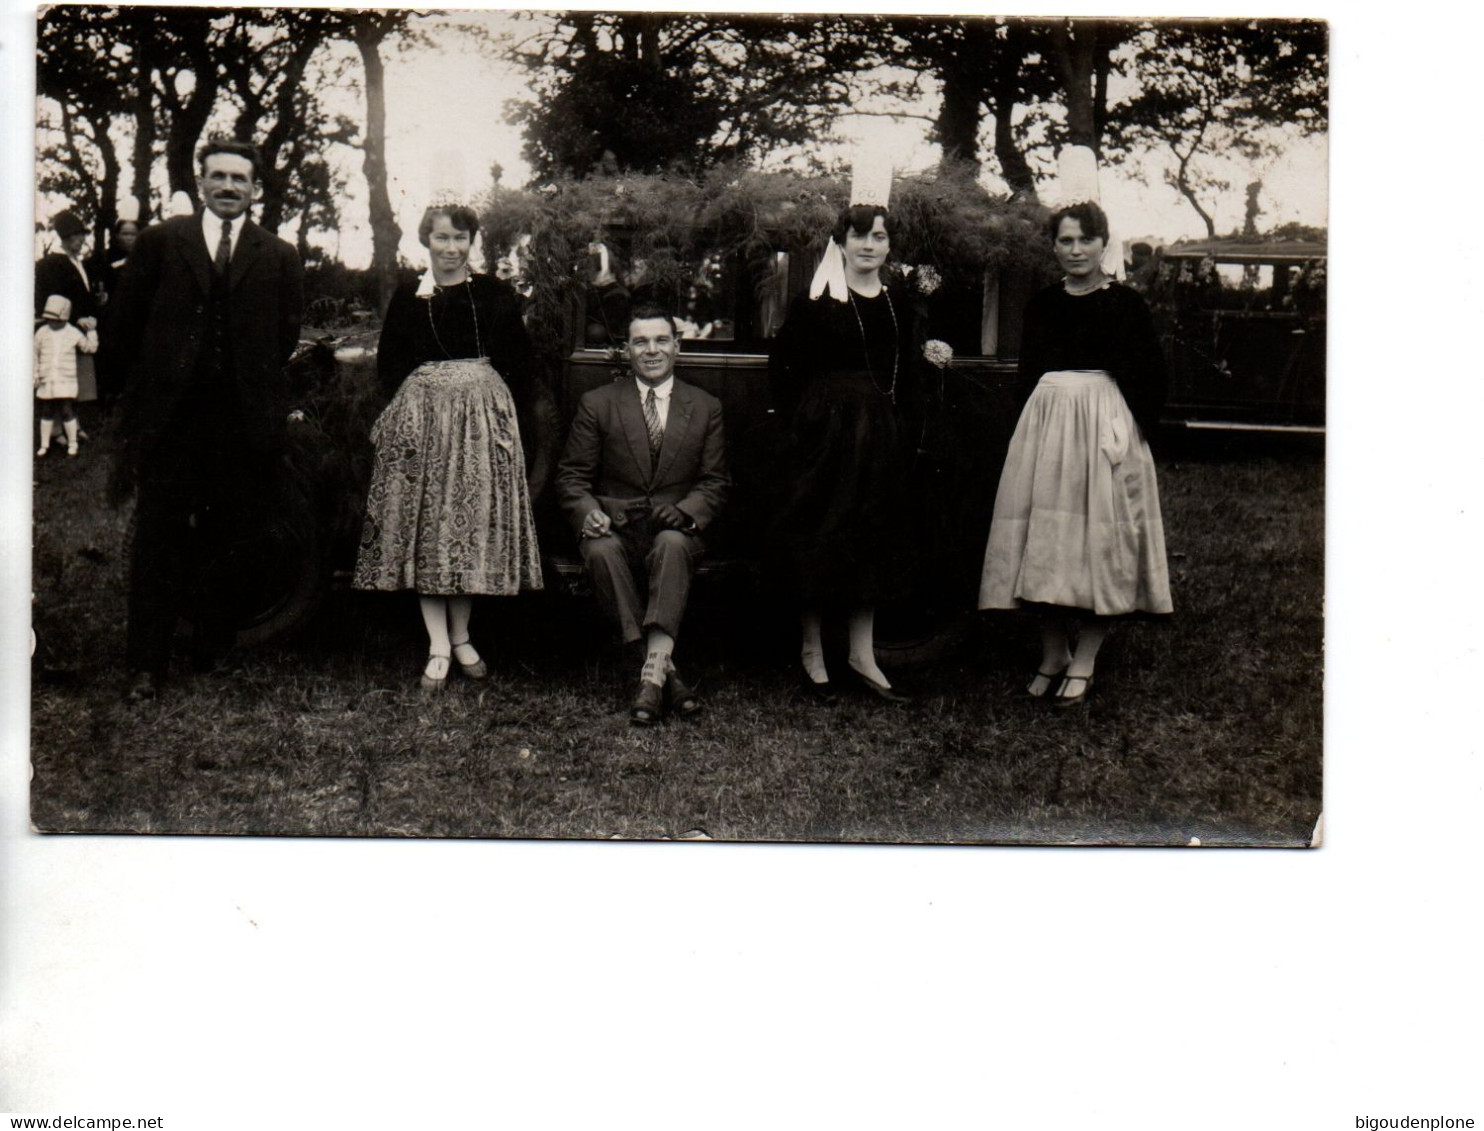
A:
[462,218]
[234,148]
[1093,220]
[860,219]
[643,310]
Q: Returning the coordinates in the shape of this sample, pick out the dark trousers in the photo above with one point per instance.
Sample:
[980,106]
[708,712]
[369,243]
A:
[665,559]
[203,497]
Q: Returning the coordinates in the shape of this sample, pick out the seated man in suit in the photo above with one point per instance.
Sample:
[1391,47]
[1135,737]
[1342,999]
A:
[644,473]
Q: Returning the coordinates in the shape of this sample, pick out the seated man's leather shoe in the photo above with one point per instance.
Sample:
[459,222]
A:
[679,696]
[649,704]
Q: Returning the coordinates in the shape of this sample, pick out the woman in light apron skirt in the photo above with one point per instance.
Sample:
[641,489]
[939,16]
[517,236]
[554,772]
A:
[1077,533]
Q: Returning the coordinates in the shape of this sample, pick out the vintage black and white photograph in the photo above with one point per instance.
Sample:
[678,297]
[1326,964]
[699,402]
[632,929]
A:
[679,426]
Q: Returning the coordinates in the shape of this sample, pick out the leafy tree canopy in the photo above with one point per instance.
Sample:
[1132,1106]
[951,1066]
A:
[647,92]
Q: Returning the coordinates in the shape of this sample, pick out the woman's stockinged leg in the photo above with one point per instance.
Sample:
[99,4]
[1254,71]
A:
[1056,654]
[1090,636]
[435,620]
[460,610]
[862,626]
[811,646]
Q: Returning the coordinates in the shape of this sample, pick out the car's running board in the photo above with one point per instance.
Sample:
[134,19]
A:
[1233,426]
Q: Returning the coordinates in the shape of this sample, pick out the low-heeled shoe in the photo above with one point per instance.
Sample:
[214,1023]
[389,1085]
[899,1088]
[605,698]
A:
[1066,702]
[431,684]
[880,690]
[824,692]
[1053,683]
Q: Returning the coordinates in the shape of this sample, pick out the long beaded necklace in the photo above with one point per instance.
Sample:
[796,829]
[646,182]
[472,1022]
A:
[474,310]
[896,337]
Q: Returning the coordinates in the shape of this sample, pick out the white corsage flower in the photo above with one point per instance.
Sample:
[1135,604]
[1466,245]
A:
[927,280]
[425,285]
[938,353]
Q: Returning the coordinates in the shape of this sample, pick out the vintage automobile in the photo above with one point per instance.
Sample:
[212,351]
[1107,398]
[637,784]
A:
[965,428]
[1243,325]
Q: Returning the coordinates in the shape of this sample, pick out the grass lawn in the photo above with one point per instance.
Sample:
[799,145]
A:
[1208,726]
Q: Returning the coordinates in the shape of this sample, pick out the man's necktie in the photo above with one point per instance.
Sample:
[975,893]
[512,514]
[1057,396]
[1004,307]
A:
[652,422]
[224,248]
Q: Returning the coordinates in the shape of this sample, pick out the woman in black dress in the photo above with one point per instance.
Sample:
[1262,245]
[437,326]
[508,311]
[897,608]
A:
[1077,531]
[843,372]
[449,513]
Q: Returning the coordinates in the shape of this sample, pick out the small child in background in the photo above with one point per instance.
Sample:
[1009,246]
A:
[57,345]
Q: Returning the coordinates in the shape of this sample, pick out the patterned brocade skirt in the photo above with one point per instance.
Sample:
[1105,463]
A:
[448,512]
[1076,518]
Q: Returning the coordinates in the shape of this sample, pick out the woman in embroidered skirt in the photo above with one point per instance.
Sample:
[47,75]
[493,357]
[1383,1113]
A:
[843,374]
[1076,531]
[449,513]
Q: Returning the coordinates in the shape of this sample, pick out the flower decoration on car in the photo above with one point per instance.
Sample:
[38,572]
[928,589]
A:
[938,353]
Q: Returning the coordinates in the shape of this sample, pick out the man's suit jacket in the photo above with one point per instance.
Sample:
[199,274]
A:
[159,324]
[606,463]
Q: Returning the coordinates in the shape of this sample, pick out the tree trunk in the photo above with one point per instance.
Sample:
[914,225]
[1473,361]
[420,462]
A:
[1013,165]
[109,189]
[270,205]
[188,119]
[1075,43]
[144,142]
[1004,96]
[1101,64]
[1254,210]
[306,31]
[186,125]
[1182,184]
[958,117]
[89,205]
[650,26]
[385,234]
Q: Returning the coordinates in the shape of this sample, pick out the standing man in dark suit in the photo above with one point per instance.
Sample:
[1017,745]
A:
[643,475]
[207,317]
